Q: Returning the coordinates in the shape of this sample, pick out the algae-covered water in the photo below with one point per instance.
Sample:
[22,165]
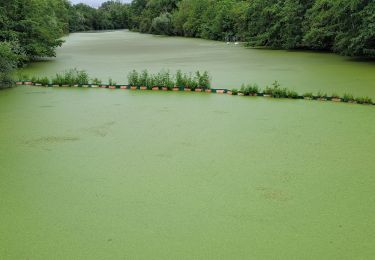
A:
[119,174]
[114,54]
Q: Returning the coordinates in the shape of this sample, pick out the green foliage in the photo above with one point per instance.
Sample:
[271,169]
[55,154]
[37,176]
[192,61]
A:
[144,78]
[180,81]
[249,89]
[96,81]
[321,95]
[235,92]
[111,82]
[8,62]
[363,100]
[342,26]
[44,81]
[133,78]
[71,77]
[110,15]
[291,94]
[162,24]
[308,95]
[347,98]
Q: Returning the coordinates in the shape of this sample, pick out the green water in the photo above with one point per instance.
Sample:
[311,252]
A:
[114,54]
[119,174]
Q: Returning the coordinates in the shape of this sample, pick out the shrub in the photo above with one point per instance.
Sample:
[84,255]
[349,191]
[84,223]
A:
[162,24]
[244,90]
[308,95]
[111,82]
[23,77]
[203,80]
[234,91]
[335,95]
[133,78]
[347,98]
[292,94]
[167,80]
[81,77]
[96,81]
[253,89]
[44,81]
[363,100]
[8,62]
[321,95]
[58,79]
[180,80]
[143,78]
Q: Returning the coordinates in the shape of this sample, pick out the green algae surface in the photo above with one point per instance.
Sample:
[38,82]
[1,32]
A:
[119,174]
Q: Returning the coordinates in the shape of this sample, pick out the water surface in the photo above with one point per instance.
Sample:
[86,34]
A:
[114,54]
[115,174]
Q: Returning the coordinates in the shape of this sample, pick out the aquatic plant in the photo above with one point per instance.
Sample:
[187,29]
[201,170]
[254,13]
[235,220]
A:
[321,95]
[96,81]
[203,80]
[347,98]
[44,81]
[133,78]
[363,100]
[111,82]
[58,79]
[275,91]
[81,77]
[292,94]
[308,95]
[143,79]
[167,80]
[180,80]
[22,77]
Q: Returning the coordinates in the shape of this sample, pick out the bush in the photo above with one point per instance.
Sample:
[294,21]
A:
[8,62]
[203,80]
[180,80]
[321,95]
[44,81]
[81,77]
[292,94]
[96,81]
[234,91]
[133,78]
[143,78]
[111,82]
[347,98]
[162,24]
[363,100]
[308,95]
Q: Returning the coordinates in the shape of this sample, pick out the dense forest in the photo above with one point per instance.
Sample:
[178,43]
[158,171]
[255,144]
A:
[346,27]
[31,29]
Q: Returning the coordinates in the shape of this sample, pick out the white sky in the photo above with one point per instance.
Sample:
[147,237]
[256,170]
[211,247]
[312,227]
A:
[94,3]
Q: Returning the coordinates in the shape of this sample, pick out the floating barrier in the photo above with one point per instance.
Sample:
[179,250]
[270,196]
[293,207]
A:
[212,90]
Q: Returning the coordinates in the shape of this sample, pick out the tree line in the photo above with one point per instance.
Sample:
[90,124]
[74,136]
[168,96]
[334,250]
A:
[345,27]
[33,29]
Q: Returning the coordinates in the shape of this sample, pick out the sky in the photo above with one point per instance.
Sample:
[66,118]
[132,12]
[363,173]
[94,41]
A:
[94,3]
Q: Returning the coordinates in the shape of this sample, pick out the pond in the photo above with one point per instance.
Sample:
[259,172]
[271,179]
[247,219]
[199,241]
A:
[114,54]
[120,174]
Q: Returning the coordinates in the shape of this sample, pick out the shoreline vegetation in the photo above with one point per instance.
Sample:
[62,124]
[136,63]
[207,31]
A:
[197,82]
[32,30]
